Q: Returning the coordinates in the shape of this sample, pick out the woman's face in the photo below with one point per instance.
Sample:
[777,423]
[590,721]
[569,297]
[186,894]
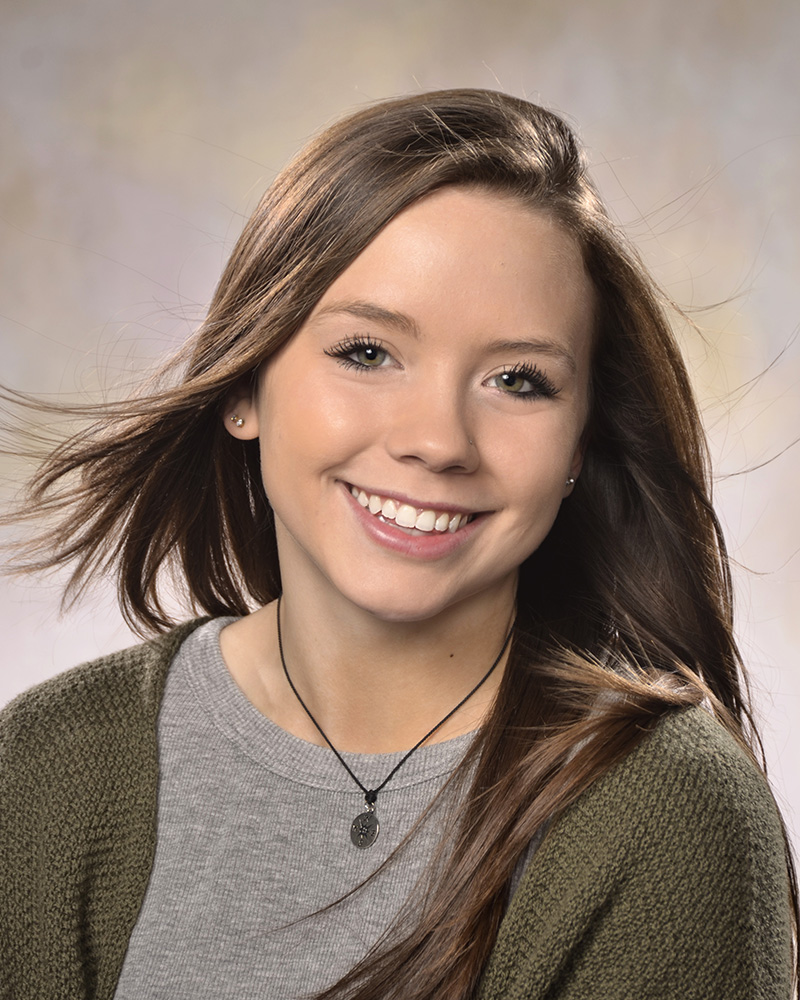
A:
[418,432]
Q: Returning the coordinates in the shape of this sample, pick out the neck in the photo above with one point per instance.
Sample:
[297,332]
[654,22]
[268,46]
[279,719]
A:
[375,686]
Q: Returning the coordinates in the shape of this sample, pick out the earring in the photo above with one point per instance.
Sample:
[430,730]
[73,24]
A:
[571,481]
[236,419]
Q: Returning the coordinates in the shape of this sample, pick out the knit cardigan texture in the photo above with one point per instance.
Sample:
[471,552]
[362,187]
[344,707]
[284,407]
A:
[666,879]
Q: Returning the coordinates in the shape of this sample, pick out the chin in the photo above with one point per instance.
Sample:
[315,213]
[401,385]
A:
[416,605]
[395,612]
[396,604]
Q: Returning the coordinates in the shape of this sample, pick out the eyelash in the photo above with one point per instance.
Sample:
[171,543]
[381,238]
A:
[342,351]
[542,386]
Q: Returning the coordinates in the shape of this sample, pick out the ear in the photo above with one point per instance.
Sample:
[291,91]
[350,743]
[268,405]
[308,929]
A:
[576,465]
[240,413]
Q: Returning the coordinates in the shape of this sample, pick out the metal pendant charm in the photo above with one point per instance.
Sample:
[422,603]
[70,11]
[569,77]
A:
[365,828]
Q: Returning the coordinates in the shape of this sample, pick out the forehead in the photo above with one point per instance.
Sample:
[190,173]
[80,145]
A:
[503,219]
[485,260]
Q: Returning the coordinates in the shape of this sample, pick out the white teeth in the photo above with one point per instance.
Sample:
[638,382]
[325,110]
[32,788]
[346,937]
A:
[425,521]
[407,516]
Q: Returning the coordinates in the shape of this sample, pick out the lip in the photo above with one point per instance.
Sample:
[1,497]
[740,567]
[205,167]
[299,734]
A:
[400,498]
[423,545]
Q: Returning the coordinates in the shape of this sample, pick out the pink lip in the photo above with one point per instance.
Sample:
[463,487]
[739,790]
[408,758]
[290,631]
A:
[431,545]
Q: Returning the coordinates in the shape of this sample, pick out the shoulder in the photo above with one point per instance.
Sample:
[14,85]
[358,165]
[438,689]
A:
[104,695]
[78,786]
[690,770]
[666,878]
[688,803]
[79,757]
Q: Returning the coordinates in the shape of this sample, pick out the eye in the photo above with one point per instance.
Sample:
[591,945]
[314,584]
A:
[358,352]
[526,381]
[370,355]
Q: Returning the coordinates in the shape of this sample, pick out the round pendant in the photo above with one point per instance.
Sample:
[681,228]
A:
[364,829]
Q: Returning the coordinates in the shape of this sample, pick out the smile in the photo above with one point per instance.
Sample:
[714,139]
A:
[406,516]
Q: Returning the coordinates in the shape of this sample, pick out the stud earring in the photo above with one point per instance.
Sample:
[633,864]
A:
[236,419]
[571,481]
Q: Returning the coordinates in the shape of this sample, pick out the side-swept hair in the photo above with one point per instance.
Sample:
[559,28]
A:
[625,610]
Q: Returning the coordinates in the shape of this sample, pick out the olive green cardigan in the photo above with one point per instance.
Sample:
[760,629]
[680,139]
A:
[667,879]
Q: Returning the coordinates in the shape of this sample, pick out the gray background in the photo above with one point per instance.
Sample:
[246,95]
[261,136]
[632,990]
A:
[136,137]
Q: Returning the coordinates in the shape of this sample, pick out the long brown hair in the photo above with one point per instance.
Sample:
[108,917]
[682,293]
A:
[629,597]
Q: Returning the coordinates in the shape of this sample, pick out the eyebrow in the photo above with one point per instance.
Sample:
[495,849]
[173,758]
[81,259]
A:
[405,324]
[368,310]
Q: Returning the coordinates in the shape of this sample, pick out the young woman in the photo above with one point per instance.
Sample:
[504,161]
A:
[486,734]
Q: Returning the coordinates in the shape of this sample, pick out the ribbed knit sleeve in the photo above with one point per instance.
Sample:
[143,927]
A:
[78,779]
[666,880]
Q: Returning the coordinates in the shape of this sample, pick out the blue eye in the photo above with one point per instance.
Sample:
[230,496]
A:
[358,353]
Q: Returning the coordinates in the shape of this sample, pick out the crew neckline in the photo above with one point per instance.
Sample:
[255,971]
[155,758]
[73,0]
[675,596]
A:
[267,744]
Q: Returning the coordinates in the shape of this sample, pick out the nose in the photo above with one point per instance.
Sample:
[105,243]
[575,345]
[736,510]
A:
[431,427]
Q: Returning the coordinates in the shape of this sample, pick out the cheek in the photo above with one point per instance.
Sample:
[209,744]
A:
[305,433]
[533,458]
[308,404]
[533,468]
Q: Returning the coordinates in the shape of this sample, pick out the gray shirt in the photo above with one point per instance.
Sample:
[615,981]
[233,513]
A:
[254,840]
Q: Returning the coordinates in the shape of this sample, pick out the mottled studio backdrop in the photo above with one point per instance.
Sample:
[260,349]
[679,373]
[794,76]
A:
[136,136]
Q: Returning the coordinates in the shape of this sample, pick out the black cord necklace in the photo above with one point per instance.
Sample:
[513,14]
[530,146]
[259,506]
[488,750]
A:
[365,827]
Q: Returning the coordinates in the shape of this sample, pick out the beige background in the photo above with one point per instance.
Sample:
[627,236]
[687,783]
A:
[136,137]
